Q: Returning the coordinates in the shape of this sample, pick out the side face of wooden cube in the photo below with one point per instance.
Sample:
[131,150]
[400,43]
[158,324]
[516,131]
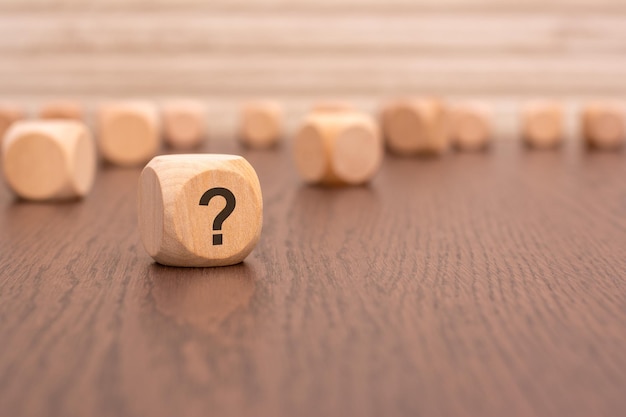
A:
[604,125]
[184,123]
[49,160]
[417,126]
[261,124]
[543,124]
[70,110]
[128,132]
[338,149]
[9,114]
[199,210]
[471,126]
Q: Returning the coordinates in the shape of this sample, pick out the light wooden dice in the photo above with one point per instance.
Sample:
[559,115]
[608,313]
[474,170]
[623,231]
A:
[199,210]
[604,125]
[49,160]
[416,126]
[128,132]
[261,124]
[184,123]
[338,148]
[471,126]
[543,124]
[8,115]
[62,109]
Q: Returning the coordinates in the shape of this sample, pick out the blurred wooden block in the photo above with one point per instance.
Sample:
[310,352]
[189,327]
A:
[8,115]
[128,132]
[416,126]
[332,107]
[62,110]
[338,148]
[543,124]
[49,160]
[199,210]
[603,125]
[261,124]
[471,126]
[184,123]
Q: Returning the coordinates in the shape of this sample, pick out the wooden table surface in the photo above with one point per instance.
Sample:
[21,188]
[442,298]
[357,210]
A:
[472,285]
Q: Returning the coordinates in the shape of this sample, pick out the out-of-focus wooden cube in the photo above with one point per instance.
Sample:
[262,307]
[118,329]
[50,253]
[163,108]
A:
[261,124]
[416,126]
[332,106]
[543,124]
[471,126]
[128,132]
[49,160]
[184,123]
[62,109]
[604,125]
[342,148]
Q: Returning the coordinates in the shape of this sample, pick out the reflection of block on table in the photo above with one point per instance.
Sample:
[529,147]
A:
[338,148]
[49,160]
[8,115]
[471,126]
[62,110]
[128,132]
[184,123]
[542,124]
[603,125]
[261,124]
[200,209]
[416,126]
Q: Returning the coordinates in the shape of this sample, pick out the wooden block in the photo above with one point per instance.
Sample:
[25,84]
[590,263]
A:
[62,110]
[416,126]
[8,115]
[184,123]
[332,107]
[338,148]
[49,160]
[603,125]
[543,124]
[199,210]
[128,132]
[471,126]
[261,124]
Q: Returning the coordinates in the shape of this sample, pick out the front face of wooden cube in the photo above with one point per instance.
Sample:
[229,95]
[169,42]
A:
[200,210]
[543,125]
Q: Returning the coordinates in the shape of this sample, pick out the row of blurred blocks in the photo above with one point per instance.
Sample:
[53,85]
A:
[335,144]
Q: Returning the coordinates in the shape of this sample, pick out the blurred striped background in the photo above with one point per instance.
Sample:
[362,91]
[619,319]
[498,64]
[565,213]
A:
[300,52]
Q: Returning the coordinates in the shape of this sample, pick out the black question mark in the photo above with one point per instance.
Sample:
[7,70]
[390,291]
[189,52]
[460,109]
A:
[226,211]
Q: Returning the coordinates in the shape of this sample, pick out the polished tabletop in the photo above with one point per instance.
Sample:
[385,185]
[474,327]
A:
[486,284]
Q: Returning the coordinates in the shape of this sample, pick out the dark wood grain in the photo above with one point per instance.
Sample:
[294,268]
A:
[479,284]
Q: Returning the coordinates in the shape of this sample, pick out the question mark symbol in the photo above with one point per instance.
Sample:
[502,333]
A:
[226,211]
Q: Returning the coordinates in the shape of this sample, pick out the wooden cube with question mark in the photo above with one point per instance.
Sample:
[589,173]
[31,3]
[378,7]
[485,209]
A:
[604,125]
[343,148]
[543,124]
[199,210]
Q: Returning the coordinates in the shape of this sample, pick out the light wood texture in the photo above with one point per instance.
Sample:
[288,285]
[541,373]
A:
[8,115]
[62,109]
[483,284]
[471,126]
[49,160]
[416,126]
[332,106]
[184,123]
[338,148]
[129,132]
[199,209]
[543,124]
[604,124]
[261,124]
